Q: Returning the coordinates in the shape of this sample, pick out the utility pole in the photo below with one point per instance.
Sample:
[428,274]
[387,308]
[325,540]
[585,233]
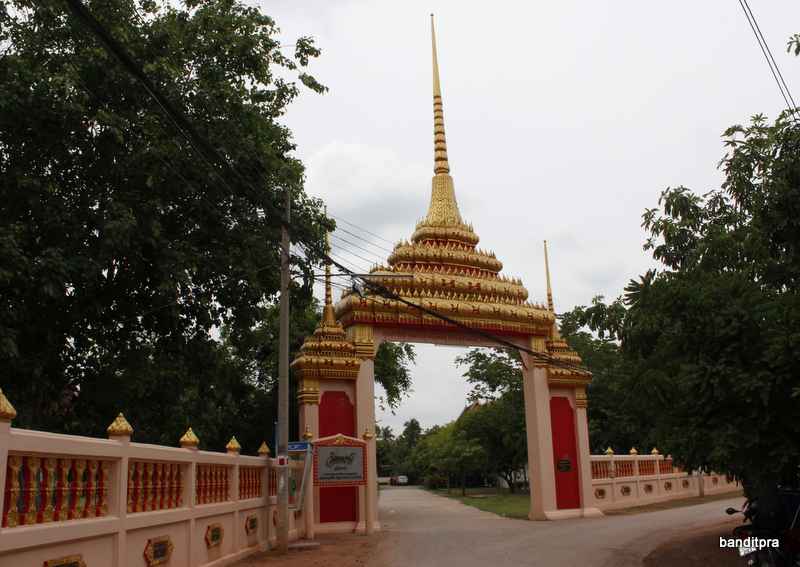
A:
[283,389]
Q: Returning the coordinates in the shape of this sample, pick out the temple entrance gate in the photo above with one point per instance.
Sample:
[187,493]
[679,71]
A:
[441,269]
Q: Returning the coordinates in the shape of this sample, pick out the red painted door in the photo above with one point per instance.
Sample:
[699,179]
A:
[337,415]
[565,453]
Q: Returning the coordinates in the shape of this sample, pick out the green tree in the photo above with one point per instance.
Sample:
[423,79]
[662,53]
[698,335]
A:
[712,337]
[498,426]
[616,417]
[121,250]
[392,361]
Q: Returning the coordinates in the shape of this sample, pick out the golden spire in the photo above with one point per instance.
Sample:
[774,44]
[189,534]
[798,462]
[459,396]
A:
[328,318]
[443,209]
[440,164]
[547,273]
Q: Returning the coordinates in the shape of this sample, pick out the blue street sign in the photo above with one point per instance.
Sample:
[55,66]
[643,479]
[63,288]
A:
[298,447]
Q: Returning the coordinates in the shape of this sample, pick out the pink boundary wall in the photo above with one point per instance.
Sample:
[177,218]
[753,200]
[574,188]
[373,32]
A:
[625,481]
[118,539]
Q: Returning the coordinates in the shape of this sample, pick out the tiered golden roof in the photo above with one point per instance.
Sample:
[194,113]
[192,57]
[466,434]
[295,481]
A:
[325,354]
[449,274]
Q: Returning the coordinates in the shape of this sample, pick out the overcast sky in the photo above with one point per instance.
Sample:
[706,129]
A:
[564,121]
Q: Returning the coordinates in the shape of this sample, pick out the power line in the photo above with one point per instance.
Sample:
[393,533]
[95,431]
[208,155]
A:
[340,229]
[362,229]
[773,65]
[351,253]
[375,258]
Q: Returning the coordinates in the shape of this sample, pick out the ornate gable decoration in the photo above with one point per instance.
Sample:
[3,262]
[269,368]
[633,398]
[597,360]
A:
[449,274]
[327,354]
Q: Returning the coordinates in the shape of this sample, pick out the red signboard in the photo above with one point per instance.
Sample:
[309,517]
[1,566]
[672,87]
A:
[340,461]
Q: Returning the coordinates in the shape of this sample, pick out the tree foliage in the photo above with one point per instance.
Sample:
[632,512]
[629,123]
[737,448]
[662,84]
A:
[711,339]
[122,251]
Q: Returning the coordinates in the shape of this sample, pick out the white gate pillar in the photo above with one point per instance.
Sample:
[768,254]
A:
[538,432]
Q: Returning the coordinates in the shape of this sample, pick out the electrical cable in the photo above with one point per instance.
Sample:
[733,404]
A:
[340,229]
[378,259]
[767,55]
[362,229]
[769,51]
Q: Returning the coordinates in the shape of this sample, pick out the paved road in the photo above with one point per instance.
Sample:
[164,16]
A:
[425,530]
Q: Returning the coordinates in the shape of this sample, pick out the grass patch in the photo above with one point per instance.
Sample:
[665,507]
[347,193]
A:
[503,504]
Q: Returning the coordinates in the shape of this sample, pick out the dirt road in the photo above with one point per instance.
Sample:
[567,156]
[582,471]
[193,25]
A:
[426,530]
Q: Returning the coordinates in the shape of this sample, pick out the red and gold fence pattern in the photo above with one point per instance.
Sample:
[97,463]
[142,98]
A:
[154,486]
[601,469]
[250,482]
[212,484]
[624,468]
[273,482]
[647,468]
[665,466]
[49,489]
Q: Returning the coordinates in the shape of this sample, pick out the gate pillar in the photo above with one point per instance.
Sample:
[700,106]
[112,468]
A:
[584,453]
[541,473]
[362,336]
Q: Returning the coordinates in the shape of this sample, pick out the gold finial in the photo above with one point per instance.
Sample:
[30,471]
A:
[263,450]
[7,411]
[189,439]
[440,164]
[328,318]
[233,446]
[368,435]
[609,451]
[550,306]
[633,451]
[120,426]
[307,434]
[443,210]
[654,451]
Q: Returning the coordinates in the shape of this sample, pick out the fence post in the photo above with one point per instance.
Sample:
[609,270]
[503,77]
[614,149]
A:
[233,448]
[7,414]
[263,451]
[190,442]
[120,431]
[657,458]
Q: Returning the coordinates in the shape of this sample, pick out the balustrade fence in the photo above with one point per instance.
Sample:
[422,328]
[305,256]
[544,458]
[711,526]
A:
[114,503]
[623,481]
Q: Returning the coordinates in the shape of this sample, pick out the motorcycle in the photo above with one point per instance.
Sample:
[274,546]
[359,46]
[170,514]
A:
[772,536]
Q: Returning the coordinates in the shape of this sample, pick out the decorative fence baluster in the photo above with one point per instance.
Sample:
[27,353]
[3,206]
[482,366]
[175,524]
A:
[11,516]
[90,509]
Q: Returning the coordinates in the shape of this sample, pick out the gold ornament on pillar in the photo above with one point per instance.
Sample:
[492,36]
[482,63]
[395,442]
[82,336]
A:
[307,435]
[7,411]
[263,450]
[559,350]
[441,268]
[120,427]
[327,354]
[368,435]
